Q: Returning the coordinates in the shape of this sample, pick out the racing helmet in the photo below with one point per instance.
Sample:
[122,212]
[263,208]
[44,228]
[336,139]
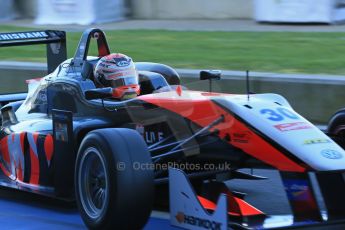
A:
[118,72]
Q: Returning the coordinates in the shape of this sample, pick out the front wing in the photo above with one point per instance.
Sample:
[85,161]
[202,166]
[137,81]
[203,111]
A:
[219,208]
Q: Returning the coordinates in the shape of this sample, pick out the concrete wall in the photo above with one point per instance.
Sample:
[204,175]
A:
[13,75]
[192,9]
[314,97]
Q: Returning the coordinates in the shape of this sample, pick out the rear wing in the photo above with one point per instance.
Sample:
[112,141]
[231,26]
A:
[54,39]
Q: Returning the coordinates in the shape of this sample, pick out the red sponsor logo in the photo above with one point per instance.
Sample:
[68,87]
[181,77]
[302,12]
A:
[241,137]
[293,126]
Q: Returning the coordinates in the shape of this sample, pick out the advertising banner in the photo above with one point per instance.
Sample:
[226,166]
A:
[299,11]
[79,12]
[6,10]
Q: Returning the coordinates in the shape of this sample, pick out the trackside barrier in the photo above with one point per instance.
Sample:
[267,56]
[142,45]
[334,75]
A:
[316,97]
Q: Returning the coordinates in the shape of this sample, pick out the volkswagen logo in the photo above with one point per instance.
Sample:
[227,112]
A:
[331,154]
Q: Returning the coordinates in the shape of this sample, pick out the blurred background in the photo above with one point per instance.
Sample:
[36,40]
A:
[291,47]
[92,11]
[148,9]
[295,48]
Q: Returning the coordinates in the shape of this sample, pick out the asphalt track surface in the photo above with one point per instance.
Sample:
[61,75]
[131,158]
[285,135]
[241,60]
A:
[20,210]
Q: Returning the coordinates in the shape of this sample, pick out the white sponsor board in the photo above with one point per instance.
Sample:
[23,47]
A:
[300,11]
[79,12]
[6,10]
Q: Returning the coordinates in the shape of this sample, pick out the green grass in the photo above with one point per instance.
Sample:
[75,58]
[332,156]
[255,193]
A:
[282,52]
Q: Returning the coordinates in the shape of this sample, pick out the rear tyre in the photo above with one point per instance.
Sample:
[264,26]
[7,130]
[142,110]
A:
[112,191]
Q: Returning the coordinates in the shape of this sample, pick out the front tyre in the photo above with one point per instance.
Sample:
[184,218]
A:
[336,128]
[110,192]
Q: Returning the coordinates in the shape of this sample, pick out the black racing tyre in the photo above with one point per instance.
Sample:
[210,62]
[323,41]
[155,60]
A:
[336,122]
[336,128]
[111,191]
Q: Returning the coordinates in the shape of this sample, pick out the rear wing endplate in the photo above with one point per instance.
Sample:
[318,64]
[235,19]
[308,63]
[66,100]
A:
[55,40]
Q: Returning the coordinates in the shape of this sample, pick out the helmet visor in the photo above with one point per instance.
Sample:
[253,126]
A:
[124,81]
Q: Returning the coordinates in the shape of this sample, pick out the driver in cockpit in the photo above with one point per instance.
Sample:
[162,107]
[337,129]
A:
[118,72]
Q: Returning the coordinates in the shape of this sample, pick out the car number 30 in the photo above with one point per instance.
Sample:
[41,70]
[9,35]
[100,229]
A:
[278,114]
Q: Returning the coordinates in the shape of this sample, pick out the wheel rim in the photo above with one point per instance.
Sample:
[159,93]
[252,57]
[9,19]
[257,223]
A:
[93,183]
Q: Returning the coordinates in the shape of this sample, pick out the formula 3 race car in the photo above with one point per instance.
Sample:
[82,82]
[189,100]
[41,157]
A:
[69,140]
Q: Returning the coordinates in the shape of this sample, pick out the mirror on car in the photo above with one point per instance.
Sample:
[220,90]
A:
[210,75]
[99,93]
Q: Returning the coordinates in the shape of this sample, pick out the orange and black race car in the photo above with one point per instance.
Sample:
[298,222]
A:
[68,139]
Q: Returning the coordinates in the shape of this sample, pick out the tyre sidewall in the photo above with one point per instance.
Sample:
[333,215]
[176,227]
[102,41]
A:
[130,191]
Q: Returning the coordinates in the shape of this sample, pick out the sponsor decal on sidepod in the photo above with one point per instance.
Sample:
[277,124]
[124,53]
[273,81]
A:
[316,141]
[293,126]
[241,137]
